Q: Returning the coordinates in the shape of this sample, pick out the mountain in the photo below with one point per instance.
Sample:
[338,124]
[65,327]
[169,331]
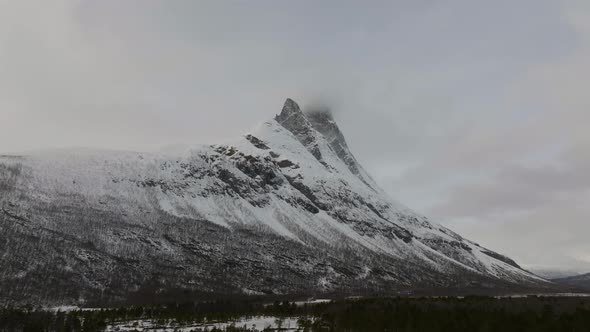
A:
[579,281]
[555,273]
[286,209]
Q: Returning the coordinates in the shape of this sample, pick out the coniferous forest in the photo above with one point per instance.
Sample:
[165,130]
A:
[377,314]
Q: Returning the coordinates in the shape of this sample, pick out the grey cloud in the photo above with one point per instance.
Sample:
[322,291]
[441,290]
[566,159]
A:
[514,188]
[552,235]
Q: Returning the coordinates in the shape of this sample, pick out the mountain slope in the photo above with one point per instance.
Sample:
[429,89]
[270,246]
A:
[285,209]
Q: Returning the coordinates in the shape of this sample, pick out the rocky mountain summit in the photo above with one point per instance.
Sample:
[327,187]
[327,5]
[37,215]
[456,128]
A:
[286,209]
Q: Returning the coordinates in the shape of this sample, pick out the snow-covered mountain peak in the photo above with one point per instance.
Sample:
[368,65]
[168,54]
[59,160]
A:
[286,208]
[290,107]
[293,119]
[307,126]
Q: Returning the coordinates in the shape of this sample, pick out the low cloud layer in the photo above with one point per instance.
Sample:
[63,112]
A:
[475,114]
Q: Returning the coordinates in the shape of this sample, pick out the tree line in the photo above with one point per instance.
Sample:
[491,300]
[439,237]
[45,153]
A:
[479,314]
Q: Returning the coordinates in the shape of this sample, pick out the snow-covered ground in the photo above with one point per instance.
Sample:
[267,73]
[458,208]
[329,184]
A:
[259,323]
[316,301]
[69,308]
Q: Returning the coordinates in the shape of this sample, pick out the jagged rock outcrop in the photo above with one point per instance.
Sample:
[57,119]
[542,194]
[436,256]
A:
[323,122]
[285,209]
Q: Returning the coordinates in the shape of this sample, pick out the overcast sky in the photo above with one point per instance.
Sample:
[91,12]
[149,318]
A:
[475,113]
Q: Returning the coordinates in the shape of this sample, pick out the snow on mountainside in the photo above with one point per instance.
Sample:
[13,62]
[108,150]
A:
[284,209]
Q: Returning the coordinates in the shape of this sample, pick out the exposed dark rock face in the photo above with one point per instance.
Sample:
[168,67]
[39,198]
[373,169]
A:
[501,258]
[285,163]
[284,210]
[293,119]
[323,122]
[256,142]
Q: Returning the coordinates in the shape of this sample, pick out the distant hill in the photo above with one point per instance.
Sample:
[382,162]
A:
[581,281]
[556,273]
